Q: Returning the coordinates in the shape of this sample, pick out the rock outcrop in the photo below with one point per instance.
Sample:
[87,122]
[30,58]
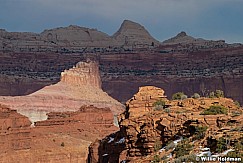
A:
[79,86]
[83,74]
[14,130]
[144,133]
[63,137]
[134,34]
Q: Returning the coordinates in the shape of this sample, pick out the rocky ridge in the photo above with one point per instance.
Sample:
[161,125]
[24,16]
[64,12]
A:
[76,39]
[183,38]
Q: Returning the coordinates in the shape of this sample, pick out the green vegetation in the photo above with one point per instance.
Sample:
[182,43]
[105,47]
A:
[219,93]
[237,103]
[182,149]
[167,110]
[170,145]
[156,159]
[236,113]
[221,145]
[157,146]
[158,105]
[234,154]
[179,96]
[216,94]
[238,147]
[187,158]
[200,132]
[214,110]
[196,96]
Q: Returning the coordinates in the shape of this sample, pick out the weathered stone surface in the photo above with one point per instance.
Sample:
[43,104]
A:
[142,102]
[145,131]
[63,137]
[14,130]
[83,74]
[79,86]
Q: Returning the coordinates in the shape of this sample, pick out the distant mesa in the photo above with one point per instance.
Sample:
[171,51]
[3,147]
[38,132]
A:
[183,38]
[75,37]
[79,36]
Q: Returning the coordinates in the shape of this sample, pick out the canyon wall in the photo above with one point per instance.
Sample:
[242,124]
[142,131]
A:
[182,63]
[63,137]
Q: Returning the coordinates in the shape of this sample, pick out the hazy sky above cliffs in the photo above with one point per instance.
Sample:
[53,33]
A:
[209,19]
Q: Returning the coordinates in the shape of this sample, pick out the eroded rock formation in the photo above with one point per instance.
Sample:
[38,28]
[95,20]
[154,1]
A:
[14,130]
[83,74]
[63,137]
[81,85]
[145,129]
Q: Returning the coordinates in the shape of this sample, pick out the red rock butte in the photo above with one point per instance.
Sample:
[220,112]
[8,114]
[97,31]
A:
[80,85]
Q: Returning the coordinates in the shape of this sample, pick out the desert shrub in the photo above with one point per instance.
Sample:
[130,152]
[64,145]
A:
[221,145]
[178,96]
[235,129]
[219,93]
[200,132]
[237,103]
[62,144]
[158,105]
[195,96]
[157,146]
[216,94]
[239,146]
[167,110]
[236,113]
[182,149]
[170,145]
[183,97]
[214,110]
[187,158]
[156,159]
[212,95]
[234,154]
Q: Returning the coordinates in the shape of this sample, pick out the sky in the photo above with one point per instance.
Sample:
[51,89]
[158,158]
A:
[209,19]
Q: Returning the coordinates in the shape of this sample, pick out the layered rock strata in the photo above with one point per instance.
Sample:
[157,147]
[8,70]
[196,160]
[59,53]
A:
[79,86]
[63,137]
[77,39]
[183,64]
